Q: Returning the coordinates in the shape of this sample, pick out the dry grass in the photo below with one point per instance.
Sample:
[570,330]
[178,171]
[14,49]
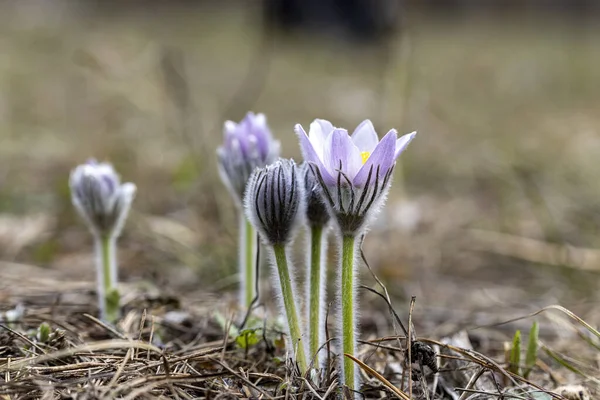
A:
[166,347]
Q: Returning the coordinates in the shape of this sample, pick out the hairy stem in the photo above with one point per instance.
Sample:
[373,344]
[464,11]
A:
[348,321]
[248,243]
[315,290]
[289,303]
[108,295]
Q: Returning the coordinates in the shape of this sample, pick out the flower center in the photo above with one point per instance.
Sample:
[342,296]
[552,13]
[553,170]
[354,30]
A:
[365,156]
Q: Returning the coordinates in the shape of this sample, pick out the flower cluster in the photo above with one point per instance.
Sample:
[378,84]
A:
[342,182]
[345,178]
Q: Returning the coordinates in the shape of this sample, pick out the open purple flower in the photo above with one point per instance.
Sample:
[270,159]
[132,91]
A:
[354,170]
[246,145]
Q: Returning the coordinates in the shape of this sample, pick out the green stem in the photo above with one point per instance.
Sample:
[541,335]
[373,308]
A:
[315,297]
[290,305]
[110,295]
[348,322]
[248,243]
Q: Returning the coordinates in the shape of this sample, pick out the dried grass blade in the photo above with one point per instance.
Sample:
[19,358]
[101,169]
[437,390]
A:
[400,394]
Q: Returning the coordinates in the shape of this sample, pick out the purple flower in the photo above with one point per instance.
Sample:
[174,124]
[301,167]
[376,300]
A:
[354,170]
[246,145]
[100,198]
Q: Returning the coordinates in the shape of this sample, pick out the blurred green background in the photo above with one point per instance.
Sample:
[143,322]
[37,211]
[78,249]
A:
[496,203]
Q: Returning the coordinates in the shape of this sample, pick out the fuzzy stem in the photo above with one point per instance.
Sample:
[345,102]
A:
[348,318]
[289,303]
[248,243]
[315,290]
[108,295]
[100,276]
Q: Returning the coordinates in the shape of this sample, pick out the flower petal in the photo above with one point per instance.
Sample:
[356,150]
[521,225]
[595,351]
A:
[340,150]
[317,133]
[326,126]
[261,131]
[403,142]
[382,156]
[310,154]
[365,137]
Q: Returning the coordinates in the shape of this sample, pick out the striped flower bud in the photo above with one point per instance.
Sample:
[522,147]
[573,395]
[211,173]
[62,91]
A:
[274,201]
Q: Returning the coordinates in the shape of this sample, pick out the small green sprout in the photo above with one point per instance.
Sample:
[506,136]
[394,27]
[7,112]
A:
[515,354]
[248,338]
[43,333]
[532,349]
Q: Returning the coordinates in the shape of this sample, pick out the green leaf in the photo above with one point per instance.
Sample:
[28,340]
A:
[43,332]
[559,359]
[532,349]
[515,354]
[248,338]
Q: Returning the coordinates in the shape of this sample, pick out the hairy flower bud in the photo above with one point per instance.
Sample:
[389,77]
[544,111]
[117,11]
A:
[246,146]
[274,200]
[100,198]
[316,210]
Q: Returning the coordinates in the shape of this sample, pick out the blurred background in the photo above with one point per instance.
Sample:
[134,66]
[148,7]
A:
[495,206]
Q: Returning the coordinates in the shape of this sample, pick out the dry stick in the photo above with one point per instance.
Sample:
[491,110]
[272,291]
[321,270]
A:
[168,375]
[401,395]
[471,383]
[115,378]
[307,383]
[243,378]
[551,307]
[105,326]
[386,298]
[87,348]
[142,323]
[226,338]
[395,316]
[68,368]
[23,337]
[480,360]
[409,345]
[331,388]
[151,337]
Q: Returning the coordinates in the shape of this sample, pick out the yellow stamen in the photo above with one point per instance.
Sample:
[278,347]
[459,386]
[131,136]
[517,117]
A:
[365,156]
